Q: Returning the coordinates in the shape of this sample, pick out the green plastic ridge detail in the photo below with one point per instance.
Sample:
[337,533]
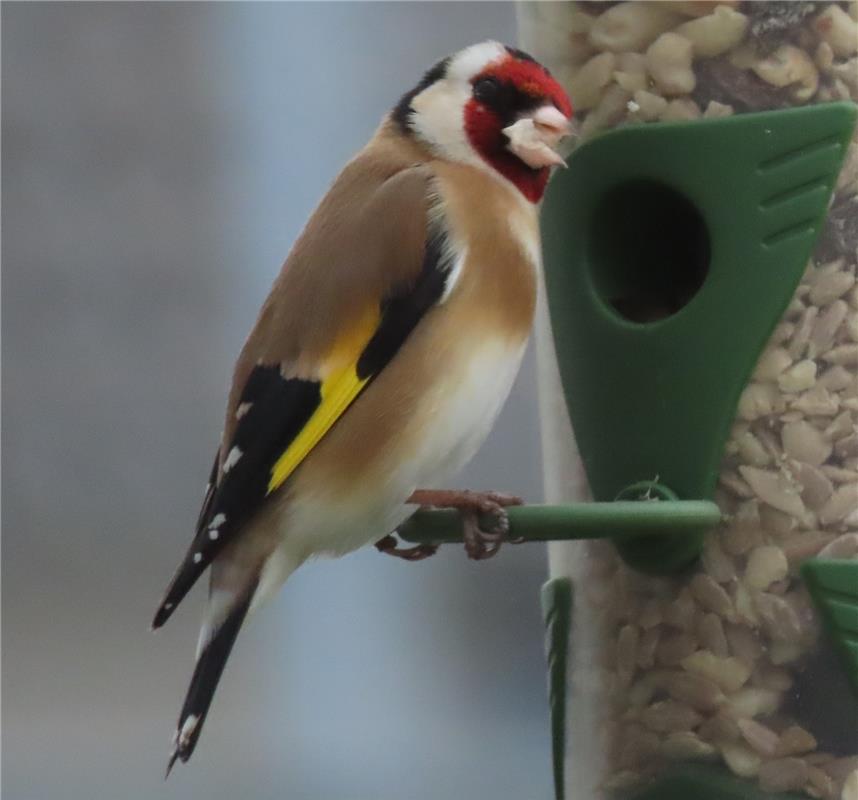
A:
[557,614]
[707,225]
[833,585]
[537,523]
[702,783]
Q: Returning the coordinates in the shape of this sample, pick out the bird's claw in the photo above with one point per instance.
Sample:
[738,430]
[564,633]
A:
[389,546]
[480,543]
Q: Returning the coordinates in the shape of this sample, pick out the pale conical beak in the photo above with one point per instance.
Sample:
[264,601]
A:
[534,137]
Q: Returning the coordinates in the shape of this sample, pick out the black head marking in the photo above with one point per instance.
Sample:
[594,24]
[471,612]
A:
[403,109]
[522,56]
[519,54]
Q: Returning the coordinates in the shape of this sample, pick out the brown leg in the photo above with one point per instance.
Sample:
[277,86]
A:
[479,543]
[417,553]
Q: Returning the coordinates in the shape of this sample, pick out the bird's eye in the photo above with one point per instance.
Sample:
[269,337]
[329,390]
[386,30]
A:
[486,89]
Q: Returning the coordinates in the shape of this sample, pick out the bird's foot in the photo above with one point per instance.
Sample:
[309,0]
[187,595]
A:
[389,546]
[480,543]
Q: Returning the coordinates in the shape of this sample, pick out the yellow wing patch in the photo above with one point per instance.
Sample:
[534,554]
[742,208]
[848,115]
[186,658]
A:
[339,388]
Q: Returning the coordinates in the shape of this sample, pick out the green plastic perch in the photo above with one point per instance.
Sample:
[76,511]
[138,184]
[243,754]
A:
[539,523]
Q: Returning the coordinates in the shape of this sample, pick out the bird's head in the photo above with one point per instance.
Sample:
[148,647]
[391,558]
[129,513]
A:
[494,107]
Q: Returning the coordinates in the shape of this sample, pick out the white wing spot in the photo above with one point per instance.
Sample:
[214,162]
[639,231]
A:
[232,458]
[198,557]
[242,409]
[217,520]
[213,533]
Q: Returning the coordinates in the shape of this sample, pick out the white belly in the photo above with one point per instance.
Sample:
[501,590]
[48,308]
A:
[461,421]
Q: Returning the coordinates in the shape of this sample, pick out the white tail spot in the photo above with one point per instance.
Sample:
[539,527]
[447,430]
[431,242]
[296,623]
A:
[188,728]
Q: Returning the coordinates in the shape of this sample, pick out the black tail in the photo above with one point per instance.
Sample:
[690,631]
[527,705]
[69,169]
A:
[205,679]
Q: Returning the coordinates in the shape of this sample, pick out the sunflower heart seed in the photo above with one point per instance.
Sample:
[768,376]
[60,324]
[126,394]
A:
[842,503]
[778,617]
[798,377]
[696,691]
[751,450]
[686,746]
[817,402]
[805,546]
[740,758]
[805,443]
[728,673]
[795,740]
[801,334]
[846,354]
[711,595]
[766,565]
[847,447]
[669,715]
[826,326]
[680,613]
[819,784]
[647,647]
[710,632]
[829,286]
[774,489]
[835,378]
[752,701]
[839,427]
[772,363]
[816,485]
[719,728]
[743,643]
[762,739]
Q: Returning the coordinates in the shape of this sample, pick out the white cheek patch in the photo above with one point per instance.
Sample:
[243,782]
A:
[438,120]
[439,110]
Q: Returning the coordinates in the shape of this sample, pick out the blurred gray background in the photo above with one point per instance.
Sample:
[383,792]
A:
[158,162]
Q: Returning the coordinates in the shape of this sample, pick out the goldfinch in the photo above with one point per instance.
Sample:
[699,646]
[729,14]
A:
[386,347]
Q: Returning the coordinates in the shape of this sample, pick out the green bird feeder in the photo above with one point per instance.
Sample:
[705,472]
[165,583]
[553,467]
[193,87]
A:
[666,281]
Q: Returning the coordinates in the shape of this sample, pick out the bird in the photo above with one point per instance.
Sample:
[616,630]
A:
[386,347]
